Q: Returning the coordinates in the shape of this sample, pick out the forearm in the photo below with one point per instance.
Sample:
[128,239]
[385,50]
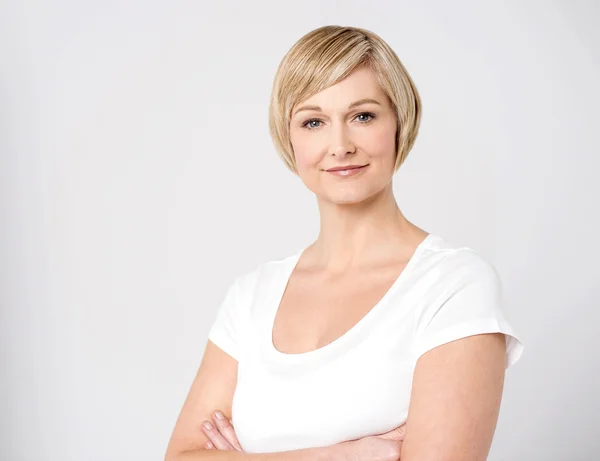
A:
[331,453]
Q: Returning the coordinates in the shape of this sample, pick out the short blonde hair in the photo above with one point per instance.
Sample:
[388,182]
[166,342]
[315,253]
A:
[326,56]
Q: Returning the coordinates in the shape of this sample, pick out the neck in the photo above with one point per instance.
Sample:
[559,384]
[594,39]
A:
[363,234]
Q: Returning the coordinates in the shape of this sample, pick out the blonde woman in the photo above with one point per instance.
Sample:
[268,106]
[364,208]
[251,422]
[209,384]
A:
[378,341]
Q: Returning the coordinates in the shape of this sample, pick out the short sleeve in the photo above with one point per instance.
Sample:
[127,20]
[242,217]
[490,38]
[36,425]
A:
[471,305]
[225,331]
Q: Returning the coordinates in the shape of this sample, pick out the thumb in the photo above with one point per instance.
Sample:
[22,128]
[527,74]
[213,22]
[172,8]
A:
[395,434]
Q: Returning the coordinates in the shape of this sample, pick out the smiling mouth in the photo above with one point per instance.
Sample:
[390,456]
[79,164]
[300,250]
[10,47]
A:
[350,171]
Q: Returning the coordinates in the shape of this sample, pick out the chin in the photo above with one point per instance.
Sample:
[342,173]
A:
[346,197]
[353,194]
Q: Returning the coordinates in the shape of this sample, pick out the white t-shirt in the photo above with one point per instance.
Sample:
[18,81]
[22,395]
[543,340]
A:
[360,384]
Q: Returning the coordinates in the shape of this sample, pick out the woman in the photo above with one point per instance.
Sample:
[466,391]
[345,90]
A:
[378,324]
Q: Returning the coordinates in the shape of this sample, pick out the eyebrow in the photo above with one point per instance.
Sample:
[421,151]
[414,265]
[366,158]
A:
[354,104]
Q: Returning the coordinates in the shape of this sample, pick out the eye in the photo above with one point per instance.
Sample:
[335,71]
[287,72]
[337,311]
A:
[309,123]
[367,114]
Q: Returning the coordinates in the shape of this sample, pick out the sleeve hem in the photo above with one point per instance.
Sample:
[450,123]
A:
[223,343]
[514,346]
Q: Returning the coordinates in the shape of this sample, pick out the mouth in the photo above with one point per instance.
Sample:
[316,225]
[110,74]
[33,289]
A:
[350,170]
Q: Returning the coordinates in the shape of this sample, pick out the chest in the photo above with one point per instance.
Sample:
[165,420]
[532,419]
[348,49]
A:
[364,391]
[321,385]
[314,312]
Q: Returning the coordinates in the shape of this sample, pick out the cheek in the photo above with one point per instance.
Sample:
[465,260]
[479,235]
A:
[380,141]
[306,151]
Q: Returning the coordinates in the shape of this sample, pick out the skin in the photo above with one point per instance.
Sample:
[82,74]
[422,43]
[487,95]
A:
[457,387]
[364,240]
[361,223]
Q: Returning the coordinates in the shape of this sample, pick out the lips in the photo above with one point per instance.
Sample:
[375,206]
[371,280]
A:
[347,167]
[347,171]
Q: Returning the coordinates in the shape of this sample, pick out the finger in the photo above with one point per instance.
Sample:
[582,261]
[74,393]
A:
[216,437]
[226,429]
[402,431]
[397,433]
[208,445]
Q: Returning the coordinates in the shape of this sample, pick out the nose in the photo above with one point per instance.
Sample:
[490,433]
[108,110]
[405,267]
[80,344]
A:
[341,144]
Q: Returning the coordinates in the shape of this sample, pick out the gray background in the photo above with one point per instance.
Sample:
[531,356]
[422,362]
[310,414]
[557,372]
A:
[137,178]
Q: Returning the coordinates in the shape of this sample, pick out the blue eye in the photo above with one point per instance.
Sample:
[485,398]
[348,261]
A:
[368,115]
[308,125]
[308,122]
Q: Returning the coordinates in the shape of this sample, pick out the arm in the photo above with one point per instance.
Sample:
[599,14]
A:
[308,454]
[455,400]
[213,389]
[382,447]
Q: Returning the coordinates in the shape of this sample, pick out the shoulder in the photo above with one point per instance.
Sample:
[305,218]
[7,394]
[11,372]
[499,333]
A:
[453,263]
[262,273]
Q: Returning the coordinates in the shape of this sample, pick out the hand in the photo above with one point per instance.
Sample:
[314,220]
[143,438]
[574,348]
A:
[381,447]
[396,434]
[221,435]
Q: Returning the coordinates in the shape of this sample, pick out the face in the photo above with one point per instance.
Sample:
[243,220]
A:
[338,127]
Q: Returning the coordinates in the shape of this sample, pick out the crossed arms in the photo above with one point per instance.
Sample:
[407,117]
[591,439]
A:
[454,408]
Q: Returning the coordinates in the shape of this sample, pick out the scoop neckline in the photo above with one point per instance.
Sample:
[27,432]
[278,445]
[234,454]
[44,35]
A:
[357,331]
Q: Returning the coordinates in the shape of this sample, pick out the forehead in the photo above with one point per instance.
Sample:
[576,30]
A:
[360,84]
